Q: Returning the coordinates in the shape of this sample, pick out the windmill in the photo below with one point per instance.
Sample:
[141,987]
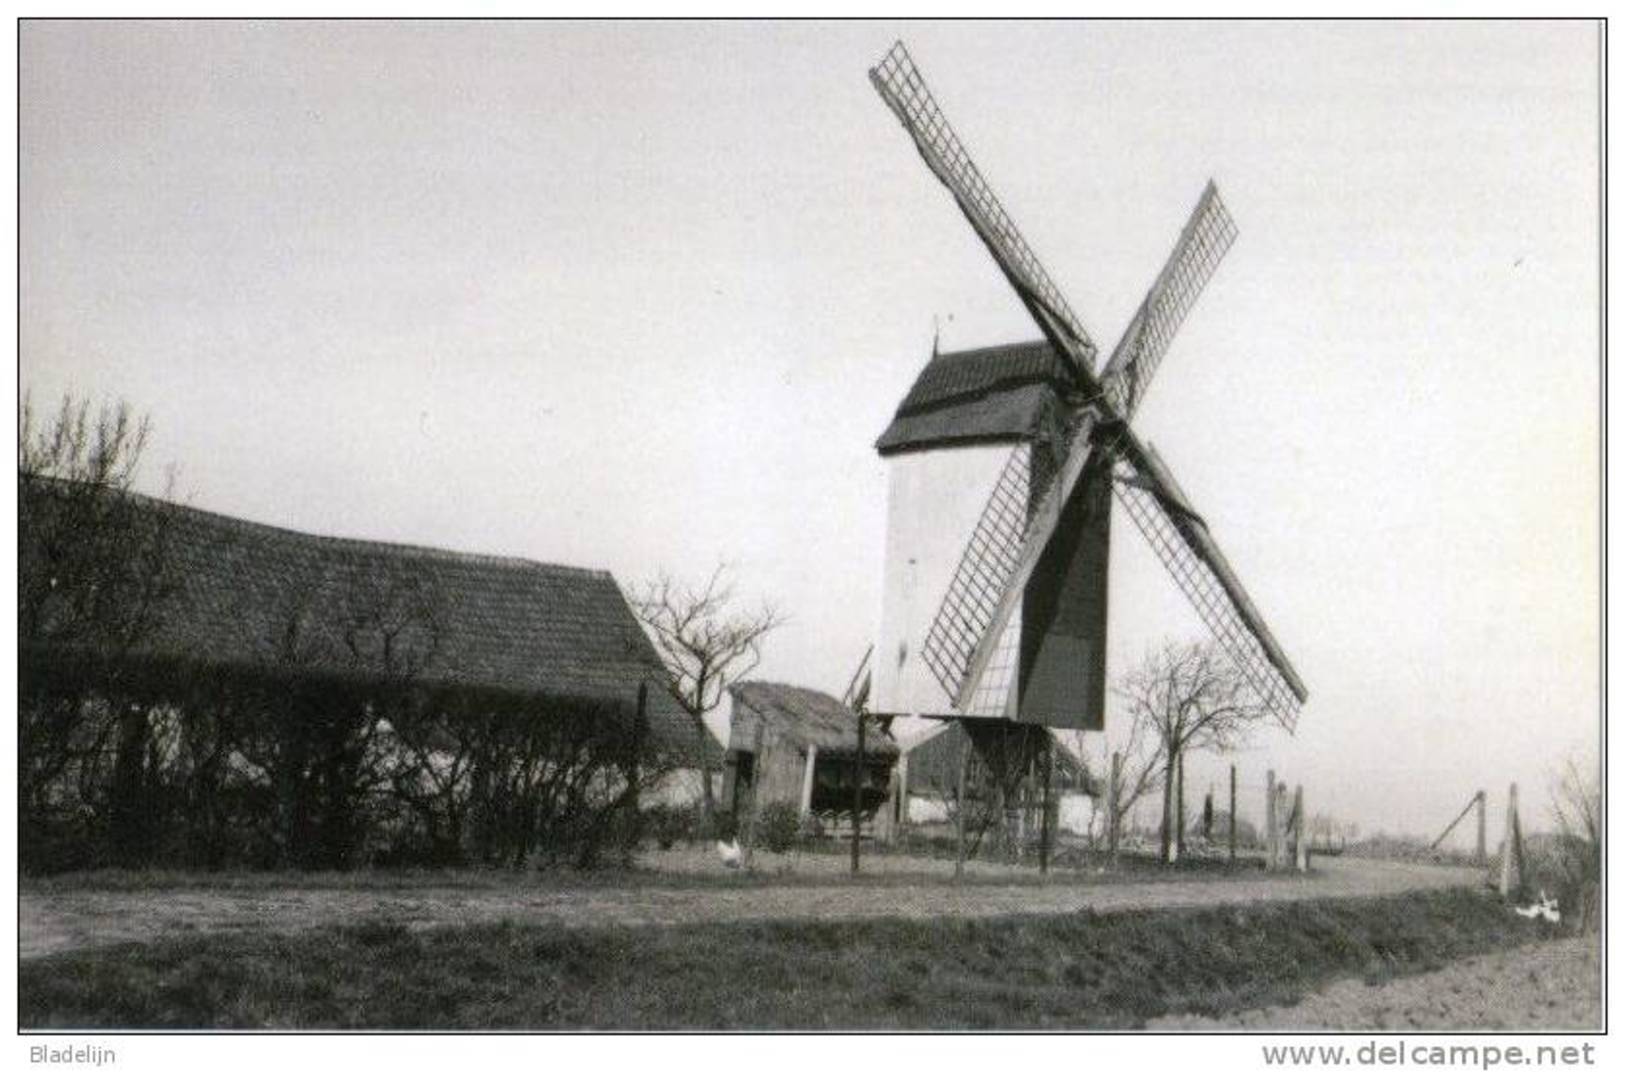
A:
[1017,641]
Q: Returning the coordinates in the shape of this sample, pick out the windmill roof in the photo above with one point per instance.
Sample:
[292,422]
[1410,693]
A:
[997,393]
[506,625]
[805,715]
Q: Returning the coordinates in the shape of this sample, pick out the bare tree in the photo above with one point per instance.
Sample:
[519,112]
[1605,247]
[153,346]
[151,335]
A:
[1577,807]
[1189,697]
[706,645]
[92,581]
[1140,774]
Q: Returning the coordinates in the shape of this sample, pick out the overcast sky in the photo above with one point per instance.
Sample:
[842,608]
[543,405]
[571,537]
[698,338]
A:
[642,298]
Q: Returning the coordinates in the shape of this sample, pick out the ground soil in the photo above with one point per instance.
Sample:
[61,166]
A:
[58,918]
[1546,986]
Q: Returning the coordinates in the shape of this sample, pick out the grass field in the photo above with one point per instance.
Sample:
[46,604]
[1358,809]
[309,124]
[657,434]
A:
[1079,970]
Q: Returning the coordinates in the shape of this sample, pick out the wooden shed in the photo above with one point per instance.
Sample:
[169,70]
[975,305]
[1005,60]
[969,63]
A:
[787,743]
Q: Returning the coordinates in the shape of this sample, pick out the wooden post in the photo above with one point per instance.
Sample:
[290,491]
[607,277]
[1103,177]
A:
[1512,848]
[1232,813]
[902,793]
[807,780]
[1479,853]
[755,790]
[1269,822]
[959,810]
[1113,790]
[1301,830]
[1044,822]
[1179,831]
[640,726]
[857,793]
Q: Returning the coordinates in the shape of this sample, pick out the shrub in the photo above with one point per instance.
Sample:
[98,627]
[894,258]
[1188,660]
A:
[778,826]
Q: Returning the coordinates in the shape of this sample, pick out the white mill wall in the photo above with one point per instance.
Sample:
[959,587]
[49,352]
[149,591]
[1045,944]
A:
[933,501]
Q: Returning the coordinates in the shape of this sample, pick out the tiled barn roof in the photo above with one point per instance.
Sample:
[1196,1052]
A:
[255,597]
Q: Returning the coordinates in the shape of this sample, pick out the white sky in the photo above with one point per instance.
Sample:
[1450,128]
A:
[642,297]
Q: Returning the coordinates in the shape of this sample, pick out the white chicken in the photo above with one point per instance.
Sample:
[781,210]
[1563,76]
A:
[1546,908]
[729,851]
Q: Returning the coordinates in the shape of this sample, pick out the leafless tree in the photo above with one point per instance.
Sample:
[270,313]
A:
[705,643]
[93,578]
[1141,773]
[1189,698]
[1577,807]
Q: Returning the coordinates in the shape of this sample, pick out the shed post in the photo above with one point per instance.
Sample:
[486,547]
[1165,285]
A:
[857,792]
[1232,813]
[807,780]
[755,788]
[1114,788]
[959,806]
[1269,822]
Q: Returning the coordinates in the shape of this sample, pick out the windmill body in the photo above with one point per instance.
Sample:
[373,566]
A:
[967,416]
[1017,633]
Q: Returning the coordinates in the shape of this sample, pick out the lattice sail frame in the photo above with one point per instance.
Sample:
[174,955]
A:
[903,88]
[1204,240]
[970,647]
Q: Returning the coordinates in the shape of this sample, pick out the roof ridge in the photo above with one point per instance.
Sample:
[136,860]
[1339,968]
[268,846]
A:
[443,554]
[995,349]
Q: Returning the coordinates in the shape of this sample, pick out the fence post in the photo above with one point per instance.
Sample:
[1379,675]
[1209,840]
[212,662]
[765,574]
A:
[1179,810]
[1269,822]
[640,729]
[1232,813]
[1301,841]
[857,793]
[1113,790]
[959,810]
[1480,856]
[1512,848]
[1044,828]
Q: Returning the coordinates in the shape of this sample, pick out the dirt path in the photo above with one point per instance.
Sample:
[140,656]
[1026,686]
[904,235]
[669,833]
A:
[1553,986]
[51,922]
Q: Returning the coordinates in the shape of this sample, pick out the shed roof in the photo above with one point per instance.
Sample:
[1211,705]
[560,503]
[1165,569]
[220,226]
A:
[257,597]
[804,715]
[997,393]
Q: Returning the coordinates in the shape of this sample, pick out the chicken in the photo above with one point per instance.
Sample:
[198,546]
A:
[729,851]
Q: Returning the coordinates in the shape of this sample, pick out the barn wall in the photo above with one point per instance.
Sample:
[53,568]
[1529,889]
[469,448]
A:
[780,769]
[934,498]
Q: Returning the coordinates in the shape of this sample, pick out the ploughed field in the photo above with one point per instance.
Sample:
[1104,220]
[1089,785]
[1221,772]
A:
[674,888]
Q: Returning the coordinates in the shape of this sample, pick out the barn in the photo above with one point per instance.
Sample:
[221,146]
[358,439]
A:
[800,746]
[276,663]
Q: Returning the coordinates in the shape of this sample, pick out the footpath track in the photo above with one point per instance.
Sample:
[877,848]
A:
[52,921]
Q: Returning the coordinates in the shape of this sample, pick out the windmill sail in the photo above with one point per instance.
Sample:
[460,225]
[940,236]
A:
[902,87]
[1180,538]
[1203,242]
